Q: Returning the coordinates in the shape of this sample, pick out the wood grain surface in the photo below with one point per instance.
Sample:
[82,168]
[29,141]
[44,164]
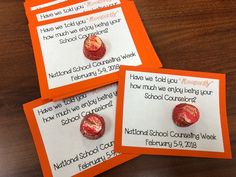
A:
[195,35]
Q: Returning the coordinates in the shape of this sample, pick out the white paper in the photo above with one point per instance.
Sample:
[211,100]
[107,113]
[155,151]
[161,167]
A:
[46,4]
[75,9]
[147,116]
[62,47]
[59,124]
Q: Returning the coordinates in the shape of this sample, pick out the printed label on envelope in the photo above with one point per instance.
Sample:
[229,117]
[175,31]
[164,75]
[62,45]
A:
[75,8]
[62,47]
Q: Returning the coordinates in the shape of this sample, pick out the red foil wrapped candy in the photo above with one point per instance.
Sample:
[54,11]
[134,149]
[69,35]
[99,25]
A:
[94,48]
[92,126]
[185,115]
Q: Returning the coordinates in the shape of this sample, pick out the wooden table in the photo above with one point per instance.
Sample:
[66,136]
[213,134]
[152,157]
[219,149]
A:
[195,35]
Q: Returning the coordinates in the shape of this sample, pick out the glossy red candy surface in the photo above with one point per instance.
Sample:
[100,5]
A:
[92,126]
[94,48]
[185,115]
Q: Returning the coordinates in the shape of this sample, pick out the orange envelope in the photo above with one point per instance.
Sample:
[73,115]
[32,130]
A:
[146,100]
[62,149]
[62,68]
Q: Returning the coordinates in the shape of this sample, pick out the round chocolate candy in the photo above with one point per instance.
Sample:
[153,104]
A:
[185,115]
[92,126]
[94,48]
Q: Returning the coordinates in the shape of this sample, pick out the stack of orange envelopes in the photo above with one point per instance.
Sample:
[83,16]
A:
[85,123]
